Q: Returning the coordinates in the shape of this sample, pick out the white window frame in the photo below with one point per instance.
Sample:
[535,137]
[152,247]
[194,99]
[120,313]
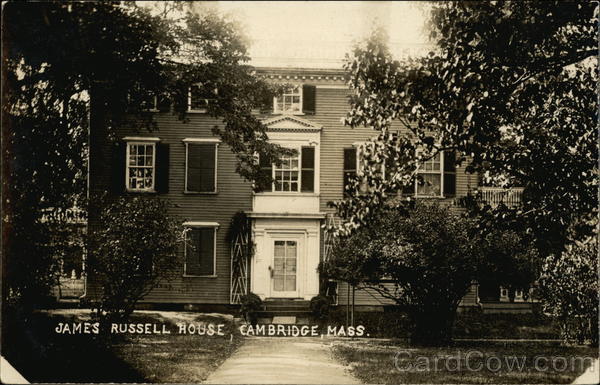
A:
[298,170]
[189,104]
[197,225]
[216,142]
[299,93]
[140,141]
[441,173]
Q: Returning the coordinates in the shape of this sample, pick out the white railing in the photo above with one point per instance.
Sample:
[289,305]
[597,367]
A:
[494,195]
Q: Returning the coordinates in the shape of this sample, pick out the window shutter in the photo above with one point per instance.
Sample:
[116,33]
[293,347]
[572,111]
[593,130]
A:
[118,164]
[163,103]
[201,167]
[308,169]
[349,165]
[309,99]
[266,169]
[161,183]
[206,251]
[192,253]
[449,174]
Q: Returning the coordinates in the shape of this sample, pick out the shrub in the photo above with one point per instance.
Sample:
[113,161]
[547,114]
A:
[569,290]
[132,249]
[251,305]
[319,306]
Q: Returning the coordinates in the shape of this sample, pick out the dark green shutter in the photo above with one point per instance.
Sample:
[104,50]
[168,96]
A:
[309,99]
[118,164]
[266,170]
[206,248]
[449,174]
[192,253]
[201,167]
[308,169]
[163,103]
[162,168]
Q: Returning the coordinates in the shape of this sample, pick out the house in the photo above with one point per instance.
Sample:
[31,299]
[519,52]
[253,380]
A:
[185,163]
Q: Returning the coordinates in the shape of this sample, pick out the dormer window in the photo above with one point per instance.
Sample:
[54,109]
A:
[297,100]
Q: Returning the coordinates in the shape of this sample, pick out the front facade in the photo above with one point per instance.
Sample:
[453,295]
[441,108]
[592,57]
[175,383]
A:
[186,164]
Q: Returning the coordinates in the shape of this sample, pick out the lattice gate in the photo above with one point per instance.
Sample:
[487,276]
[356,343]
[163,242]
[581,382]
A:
[241,252]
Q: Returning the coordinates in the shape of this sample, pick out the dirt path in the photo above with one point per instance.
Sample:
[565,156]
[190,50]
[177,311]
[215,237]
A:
[264,360]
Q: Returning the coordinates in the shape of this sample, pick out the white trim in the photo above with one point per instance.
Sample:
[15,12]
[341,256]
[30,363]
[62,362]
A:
[301,110]
[200,224]
[140,139]
[333,87]
[214,141]
[215,227]
[201,140]
[152,143]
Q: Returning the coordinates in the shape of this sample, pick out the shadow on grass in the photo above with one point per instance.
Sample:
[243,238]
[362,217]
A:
[40,354]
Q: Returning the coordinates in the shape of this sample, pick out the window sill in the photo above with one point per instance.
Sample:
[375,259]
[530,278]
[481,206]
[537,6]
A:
[200,193]
[286,194]
[287,113]
[140,191]
[199,276]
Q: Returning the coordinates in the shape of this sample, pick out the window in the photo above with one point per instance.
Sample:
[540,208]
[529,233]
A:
[289,102]
[429,177]
[199,98]
[200,247]
[350,166]
[296,173]
[436,177]
[284,270]
[201,165]
[140,169]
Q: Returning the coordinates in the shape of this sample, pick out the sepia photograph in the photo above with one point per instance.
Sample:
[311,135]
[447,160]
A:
[300,192]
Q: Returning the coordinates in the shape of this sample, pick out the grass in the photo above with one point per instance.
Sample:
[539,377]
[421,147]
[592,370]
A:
[491,362]
[41,355]
[395,324]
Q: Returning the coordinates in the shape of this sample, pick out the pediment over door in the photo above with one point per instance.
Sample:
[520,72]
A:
[290,123]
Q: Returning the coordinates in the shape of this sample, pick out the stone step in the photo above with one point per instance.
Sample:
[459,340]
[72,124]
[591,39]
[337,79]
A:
[284,313]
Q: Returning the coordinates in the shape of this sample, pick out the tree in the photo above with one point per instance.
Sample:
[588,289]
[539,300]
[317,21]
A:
[131,251]
[60,58]
[511,89]
[428,255]
[569,289]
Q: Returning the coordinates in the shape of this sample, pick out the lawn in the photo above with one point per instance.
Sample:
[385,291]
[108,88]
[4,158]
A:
[395,362]
[42,355]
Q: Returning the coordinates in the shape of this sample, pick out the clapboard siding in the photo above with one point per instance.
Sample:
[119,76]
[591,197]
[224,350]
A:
[233,194]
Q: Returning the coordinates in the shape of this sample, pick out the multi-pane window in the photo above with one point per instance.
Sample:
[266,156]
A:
[140,170]
[285,255]
[290,101]
[201,167]
[286,174]
[200,251]
[350,166]
[429,177]
[295,173]
[199,98]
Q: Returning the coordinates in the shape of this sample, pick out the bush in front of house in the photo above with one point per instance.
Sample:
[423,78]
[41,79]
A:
[319,306]
[251,305]
[569,290]
[428,254]
[132,249]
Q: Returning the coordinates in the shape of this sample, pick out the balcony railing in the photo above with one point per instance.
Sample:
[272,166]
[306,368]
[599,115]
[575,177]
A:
[495,195]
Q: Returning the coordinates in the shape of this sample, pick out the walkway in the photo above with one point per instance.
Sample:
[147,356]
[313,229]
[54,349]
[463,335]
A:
[281,360]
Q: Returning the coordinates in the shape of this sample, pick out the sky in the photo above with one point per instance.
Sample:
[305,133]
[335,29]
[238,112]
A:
[319,33]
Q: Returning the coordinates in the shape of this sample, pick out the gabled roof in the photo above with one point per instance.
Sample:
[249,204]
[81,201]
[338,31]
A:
[290,123]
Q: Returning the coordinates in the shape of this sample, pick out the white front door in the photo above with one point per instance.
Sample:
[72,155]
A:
[285,266]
